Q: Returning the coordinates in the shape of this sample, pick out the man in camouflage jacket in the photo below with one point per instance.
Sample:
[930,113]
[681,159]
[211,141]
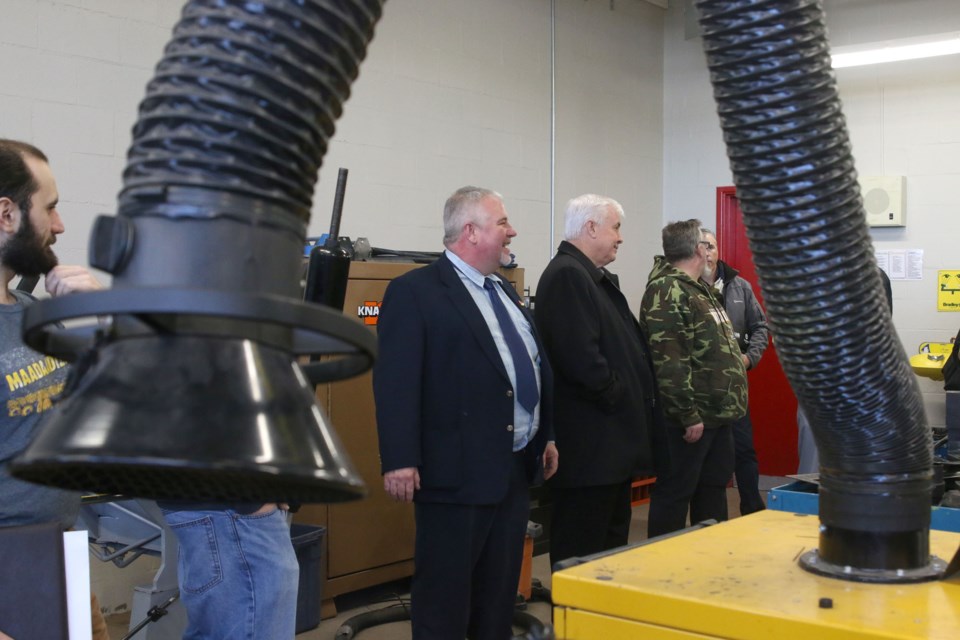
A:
[701,378]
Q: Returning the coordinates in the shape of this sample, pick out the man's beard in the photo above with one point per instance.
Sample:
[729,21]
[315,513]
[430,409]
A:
[25,253]
[708,272]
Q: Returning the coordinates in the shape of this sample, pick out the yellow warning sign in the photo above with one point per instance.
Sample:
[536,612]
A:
[948,291]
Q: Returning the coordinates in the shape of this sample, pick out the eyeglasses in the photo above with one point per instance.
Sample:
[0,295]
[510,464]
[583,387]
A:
[708,245]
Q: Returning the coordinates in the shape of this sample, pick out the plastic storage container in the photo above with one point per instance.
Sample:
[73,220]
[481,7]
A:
[308,545]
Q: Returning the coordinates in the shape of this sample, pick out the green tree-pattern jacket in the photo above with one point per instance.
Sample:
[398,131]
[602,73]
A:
[695,354]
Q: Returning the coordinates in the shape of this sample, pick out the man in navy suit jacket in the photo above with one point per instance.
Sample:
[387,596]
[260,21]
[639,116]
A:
[454,435]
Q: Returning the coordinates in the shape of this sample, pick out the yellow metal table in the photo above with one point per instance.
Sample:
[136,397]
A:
[740,580]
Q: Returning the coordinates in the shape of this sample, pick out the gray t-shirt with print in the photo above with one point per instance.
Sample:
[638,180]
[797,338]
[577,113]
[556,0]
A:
[31,382]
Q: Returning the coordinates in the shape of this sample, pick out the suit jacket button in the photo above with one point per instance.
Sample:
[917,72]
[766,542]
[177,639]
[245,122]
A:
[509,393]
[509,427]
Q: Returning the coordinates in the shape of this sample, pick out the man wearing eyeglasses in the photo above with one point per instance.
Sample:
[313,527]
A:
[701,378]
[750,329]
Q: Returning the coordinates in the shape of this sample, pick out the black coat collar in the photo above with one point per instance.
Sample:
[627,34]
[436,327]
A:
[597,273]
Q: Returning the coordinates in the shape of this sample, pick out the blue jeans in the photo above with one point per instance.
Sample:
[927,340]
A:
[238,574]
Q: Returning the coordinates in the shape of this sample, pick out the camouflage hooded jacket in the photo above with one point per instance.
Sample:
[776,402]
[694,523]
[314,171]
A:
[695,354]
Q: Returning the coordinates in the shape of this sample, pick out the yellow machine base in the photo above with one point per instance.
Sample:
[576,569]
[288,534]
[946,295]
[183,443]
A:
[740,580]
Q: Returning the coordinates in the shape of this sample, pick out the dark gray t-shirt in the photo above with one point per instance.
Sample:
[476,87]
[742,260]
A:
[31,382]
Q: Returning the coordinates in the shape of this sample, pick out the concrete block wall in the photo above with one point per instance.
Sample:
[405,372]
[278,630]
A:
[610,80]
[907,124]
[74,72]
[902,119]
[453,92]
[457,92]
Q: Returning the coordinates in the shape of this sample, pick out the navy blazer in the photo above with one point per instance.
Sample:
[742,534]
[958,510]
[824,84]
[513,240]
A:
[444,400]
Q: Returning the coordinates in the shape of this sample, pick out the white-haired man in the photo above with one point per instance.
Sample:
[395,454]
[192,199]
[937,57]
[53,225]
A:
[605,411]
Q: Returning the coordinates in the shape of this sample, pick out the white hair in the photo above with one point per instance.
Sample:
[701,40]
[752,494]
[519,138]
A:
[587,208]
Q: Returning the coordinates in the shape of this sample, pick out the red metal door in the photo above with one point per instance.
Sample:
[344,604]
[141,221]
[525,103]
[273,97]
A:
[773,407]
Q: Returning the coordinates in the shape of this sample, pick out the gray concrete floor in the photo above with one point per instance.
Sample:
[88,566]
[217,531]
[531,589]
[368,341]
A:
[375,598]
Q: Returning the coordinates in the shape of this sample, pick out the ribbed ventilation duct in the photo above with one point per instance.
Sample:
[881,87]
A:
[193,391]
[792,165]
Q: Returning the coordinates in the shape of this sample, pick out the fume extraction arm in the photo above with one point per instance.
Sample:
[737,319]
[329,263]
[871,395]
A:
[194,390]
[792,164]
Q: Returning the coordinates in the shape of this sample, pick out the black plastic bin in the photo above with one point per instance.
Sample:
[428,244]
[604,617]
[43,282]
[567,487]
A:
[308,544]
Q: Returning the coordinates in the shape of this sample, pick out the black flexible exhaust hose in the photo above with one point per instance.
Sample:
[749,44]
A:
[792,165]
[232,132]
[246,95]
[194,391]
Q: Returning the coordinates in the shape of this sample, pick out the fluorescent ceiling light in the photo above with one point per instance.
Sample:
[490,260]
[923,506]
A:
[894,51]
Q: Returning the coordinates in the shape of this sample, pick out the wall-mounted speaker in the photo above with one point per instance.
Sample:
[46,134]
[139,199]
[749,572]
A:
[883,199]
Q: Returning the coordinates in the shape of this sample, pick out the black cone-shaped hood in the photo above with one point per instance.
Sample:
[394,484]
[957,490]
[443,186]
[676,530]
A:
[210,418]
